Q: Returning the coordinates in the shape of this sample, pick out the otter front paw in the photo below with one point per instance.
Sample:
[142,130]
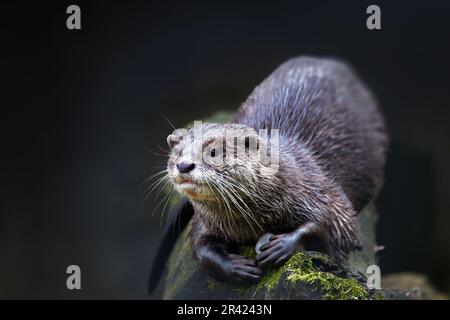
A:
[242,270]
[278,250]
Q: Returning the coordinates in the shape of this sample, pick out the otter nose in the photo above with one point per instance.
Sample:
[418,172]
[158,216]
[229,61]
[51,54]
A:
[185,167]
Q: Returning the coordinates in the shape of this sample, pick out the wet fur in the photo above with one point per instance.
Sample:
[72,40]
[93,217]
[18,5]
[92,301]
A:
[332,154]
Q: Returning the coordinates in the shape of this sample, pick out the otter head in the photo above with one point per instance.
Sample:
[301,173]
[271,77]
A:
[214,162]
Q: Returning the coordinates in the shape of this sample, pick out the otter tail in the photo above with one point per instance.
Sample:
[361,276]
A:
[177,219]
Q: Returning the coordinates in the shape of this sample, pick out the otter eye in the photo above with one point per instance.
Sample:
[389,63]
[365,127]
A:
[213,152]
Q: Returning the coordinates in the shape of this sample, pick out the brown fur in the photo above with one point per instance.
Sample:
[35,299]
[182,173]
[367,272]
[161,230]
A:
[332,153]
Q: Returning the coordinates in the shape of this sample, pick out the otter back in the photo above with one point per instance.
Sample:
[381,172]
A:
[322,105]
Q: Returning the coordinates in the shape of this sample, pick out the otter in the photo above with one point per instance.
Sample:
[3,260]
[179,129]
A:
[331,150]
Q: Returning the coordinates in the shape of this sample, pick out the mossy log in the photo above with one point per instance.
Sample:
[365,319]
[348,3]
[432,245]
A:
[307,275]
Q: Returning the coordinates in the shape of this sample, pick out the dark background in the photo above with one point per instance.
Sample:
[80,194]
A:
[82,119]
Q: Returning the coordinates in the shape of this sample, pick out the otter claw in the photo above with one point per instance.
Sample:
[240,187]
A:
[242,270]
[277,251]
[262,241]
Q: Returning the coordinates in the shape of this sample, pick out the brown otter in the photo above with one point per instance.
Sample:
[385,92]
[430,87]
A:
[331,155]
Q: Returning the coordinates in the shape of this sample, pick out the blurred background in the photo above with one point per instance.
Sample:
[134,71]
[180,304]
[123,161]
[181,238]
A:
[83,118]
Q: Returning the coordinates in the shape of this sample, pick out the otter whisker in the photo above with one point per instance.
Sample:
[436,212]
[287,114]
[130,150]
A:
[226,198]
[236,199]
[169,199]
[167,119]
[156,184]
[153,176]
[240,209]
[229,198]
[164,186]
[162,149]
[227,209]
[161,183]
[234,183]
[160,202]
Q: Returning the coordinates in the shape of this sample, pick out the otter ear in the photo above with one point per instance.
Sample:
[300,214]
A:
[172,140]
[176,136]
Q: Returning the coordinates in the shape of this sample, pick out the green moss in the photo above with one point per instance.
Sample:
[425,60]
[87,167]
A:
[211,283]
[378,297]
[300,268]
[331,286]
[271,279]
[248,252]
